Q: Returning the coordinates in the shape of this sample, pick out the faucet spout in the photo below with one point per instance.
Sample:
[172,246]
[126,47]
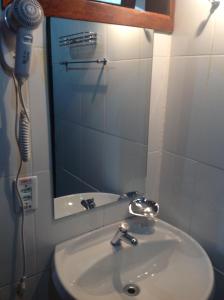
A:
[129,239]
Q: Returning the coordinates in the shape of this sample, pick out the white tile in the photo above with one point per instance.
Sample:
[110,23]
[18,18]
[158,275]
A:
[218,46]
[146,43]
[67,87]
[115,212]
[36,286]
[193,32]
[219,286]
[208,211]
[71,139]
[44,286]
[94,88]
[57,131]
[9,154]
[92,157]
[123,42]
[67,184]
[162,44]
[125,165]
[10,233]
[38,97]
[187,84]
[127,100]
[177,187]
[158,101]
[195,109]
[153,175]
[9,159]
[208,137]
[50,232]
[62,27]
[39,35]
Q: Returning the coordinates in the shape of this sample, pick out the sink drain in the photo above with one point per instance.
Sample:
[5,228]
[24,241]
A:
[131,290]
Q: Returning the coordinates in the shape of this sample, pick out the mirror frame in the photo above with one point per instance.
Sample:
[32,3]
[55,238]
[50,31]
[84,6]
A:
[160,18]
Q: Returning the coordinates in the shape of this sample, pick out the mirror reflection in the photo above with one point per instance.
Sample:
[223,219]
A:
[136,4]
[100,78]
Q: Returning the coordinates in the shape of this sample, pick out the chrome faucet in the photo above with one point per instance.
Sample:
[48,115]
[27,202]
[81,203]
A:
[88,204]
[123,235]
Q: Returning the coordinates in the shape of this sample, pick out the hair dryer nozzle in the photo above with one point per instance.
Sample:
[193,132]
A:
[26,13]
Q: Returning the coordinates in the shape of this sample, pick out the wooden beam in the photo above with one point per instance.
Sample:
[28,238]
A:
[105,13]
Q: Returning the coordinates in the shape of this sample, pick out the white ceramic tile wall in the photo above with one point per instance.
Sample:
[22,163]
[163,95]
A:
[207,186]
[153,174]
[194,28]
[42,231]
[192,172]
[219,291]
[158,99]
[37,289]
[10,253]
[127,106]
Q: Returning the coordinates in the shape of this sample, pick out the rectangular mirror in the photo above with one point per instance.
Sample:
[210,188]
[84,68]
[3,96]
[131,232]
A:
[100,77]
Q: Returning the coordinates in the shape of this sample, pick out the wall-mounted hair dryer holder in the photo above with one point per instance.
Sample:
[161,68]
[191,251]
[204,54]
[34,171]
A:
[18,21]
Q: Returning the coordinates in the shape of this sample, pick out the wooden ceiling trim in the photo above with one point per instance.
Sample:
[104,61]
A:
[106,13]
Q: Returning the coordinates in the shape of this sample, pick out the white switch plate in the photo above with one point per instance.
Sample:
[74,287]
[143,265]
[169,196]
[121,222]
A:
[27,187]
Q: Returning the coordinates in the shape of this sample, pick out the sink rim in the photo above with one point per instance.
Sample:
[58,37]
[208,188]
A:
[59,280]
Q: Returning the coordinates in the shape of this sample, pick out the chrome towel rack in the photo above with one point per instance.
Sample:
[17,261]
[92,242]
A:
[97,61]
[80,39]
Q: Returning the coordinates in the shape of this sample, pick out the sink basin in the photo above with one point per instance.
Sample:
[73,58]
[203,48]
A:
[166,264]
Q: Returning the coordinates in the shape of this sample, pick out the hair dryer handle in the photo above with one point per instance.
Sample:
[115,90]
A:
[24,41]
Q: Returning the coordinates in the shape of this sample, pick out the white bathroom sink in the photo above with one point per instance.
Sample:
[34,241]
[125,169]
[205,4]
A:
[166,264]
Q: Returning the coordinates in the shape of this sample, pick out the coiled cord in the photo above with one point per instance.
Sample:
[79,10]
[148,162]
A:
[22,136]
[22,102]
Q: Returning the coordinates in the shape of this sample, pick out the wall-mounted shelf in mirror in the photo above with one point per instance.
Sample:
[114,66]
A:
[159,15]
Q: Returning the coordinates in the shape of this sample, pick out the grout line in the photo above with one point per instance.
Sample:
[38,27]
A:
[43,172]
[161,56]
[132,59]
[10,284]
[196,56]
[102,132]
[81,180]
[219,271]
[39,47]
[155,151]
[193,160]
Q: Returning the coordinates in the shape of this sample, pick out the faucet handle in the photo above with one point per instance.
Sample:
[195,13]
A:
[124,227]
